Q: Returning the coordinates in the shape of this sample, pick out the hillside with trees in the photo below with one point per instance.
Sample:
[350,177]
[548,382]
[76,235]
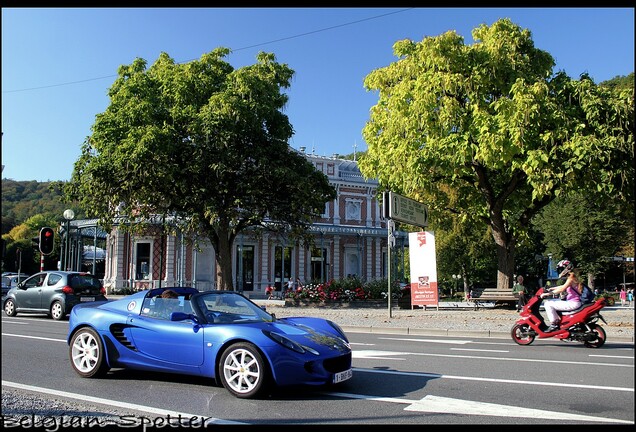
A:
[23,199]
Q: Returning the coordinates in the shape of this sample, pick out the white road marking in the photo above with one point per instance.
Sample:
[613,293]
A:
[43,315]
[384,355]
[363,353]
[34,337]
[478,350]
[436,404]
[124,405]
[7,321]
[610,356]
[446,405]
[376,354]
[497,380]
[441,341]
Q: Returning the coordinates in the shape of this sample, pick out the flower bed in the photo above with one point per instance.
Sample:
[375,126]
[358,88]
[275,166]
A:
[346,291]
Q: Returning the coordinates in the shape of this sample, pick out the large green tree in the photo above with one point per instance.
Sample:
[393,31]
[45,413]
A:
[493,122]
[204,142]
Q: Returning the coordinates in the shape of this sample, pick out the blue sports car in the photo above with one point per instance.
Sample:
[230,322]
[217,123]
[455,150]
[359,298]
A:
[217,334]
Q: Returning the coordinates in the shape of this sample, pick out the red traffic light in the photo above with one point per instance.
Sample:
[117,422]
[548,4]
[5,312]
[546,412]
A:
[47,240]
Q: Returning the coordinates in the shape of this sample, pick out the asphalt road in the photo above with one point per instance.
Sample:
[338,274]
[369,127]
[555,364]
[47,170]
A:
[398,379]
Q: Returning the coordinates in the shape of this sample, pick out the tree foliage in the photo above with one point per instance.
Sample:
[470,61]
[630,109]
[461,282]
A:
[204,142]
[585,230]
[20,238]
[620,82]
[492,123]
[24,199]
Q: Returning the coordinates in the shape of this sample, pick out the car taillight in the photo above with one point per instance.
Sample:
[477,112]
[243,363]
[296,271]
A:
[102,290]
[68,290]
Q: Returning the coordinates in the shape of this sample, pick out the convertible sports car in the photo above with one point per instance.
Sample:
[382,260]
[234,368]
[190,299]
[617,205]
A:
[217,334]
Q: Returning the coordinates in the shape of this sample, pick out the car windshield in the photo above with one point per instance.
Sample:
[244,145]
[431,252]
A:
[228,308]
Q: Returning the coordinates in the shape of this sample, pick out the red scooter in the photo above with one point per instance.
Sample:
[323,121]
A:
[578,325]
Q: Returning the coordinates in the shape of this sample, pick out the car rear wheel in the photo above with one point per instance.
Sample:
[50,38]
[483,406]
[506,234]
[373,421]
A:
[9,308]
[57,311]
[87,353]
[242,370]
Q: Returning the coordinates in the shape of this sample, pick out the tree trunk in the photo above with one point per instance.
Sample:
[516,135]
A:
[224,263]
[505,255]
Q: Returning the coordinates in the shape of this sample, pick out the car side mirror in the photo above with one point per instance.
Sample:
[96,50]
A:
[181,316]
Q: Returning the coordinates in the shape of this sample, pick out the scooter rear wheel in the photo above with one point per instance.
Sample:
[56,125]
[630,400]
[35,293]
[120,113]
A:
[601,336]
[522,334]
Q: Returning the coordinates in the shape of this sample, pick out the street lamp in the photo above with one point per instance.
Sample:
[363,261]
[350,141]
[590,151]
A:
[69,215]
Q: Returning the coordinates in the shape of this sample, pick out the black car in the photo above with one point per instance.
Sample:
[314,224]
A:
[53,292]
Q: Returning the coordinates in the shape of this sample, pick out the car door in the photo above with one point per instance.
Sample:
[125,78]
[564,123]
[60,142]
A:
[29,295]
[50,289]
[177,342]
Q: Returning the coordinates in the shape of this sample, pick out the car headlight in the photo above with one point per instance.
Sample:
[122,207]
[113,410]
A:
[288,343]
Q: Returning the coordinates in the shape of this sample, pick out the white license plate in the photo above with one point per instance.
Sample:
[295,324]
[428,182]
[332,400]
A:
[87,299]
[342,376]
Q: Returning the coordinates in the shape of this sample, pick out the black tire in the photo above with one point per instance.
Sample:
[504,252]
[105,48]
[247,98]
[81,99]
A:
[86,353]
[9,308]
[601,336]
[521,334]
[57,311]
[243,371]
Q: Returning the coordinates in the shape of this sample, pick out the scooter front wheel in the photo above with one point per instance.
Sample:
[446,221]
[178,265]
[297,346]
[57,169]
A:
[522,334]
[600,337]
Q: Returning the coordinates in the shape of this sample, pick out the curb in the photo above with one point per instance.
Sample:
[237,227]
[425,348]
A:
[452,333]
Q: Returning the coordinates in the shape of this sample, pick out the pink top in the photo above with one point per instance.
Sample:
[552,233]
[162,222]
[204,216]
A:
[573,294]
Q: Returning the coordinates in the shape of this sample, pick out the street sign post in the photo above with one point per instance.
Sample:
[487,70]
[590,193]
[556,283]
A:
[402,209]
[406,210]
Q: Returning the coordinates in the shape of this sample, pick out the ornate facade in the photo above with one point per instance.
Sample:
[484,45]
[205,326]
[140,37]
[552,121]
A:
[350,240]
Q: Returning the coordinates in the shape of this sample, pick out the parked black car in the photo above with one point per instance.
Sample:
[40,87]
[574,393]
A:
[53,292]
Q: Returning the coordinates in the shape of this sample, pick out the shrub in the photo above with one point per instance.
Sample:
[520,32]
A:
[347,290]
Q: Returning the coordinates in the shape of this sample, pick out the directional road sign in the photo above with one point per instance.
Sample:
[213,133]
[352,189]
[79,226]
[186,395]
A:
[403,209]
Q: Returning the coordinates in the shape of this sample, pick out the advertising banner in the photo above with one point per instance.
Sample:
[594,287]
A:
[423,269]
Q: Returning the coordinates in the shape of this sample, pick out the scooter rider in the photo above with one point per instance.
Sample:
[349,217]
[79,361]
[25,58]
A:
[572,301]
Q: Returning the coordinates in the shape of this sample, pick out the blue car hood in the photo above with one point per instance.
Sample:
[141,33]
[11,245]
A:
[314,332]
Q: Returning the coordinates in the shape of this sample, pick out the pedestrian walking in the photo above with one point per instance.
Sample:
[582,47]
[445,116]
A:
[623,296]
[630,297]
[520,291]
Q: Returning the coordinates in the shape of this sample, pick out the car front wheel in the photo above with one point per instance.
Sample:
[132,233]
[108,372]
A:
[9,308]
[87,354]
[242,370]
[57,311]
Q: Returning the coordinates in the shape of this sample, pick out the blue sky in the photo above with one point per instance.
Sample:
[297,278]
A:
[58,63]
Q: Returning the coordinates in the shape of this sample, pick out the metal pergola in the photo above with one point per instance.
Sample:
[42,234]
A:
[75,234]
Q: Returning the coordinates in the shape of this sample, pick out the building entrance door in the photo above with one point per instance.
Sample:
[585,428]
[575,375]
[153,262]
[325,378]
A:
[245,268]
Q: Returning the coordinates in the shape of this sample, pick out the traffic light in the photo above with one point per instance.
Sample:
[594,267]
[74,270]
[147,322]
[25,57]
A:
[47,237]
